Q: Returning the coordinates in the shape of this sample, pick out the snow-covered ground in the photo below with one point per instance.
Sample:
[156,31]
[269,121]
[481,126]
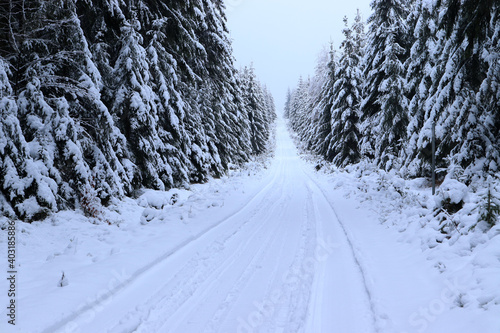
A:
[283,249]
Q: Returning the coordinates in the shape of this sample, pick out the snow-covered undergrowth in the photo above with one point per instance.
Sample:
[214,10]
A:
[447,227]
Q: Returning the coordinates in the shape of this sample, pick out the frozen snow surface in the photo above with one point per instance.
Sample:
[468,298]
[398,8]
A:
[280,248]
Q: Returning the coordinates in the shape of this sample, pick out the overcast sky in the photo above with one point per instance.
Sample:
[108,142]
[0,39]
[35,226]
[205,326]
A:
[284,37]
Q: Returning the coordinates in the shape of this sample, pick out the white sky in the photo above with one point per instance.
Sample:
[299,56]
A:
[283,38]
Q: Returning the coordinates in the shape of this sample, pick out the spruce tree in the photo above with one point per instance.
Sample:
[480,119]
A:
[299,106]
[326,99]
[343,147]
[384,106]
[288,100]
[489,94]
[25,190]
[226,104]
[254,100]
[50,101]
[462,137]
[314,134]
[419,82]
[135,108]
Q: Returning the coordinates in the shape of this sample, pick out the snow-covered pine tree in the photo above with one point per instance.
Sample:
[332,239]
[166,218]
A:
[321,77]
[186,25]
[306,124]
[299,110]
[323,125]
[384,106]
[419,69]
[73,145]
[288,101]
[343,146]
[89,123]
[291,107]
[358,28]
[35,117]
[28,185]
[477,135]
[270,107]
[177,77]
[254,101]
[47,83]
[20,184]
[161,83]
[134,107]
[489,208]
[489,93]
[269,111]
[104,146]
[226,105]
[462,137]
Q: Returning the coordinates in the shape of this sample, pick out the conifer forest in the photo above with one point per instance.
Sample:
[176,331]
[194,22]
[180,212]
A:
[102,98]
[171,166]
[418,63]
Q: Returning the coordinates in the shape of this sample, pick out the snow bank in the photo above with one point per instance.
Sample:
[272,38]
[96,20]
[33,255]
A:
[444,228]
[98,258]
[451,191]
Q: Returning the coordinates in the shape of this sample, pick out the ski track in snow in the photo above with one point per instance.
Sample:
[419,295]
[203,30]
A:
[281,263]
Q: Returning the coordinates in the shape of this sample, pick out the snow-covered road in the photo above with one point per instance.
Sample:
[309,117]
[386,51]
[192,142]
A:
[281,251]
[281,263]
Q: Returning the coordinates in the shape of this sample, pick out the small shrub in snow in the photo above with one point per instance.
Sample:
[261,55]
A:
[90,203]
[63,282]
[382,182]
[174,198]
[489,211]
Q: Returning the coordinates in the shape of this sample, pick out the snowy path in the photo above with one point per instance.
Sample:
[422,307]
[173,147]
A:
[279,251]
[282,263]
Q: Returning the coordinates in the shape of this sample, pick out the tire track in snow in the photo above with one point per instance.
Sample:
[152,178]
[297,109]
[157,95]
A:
[87,309]
[293,312]
[223,310]
[278,308]
[208,275]
[235,293]
[362,271]
[194,302]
